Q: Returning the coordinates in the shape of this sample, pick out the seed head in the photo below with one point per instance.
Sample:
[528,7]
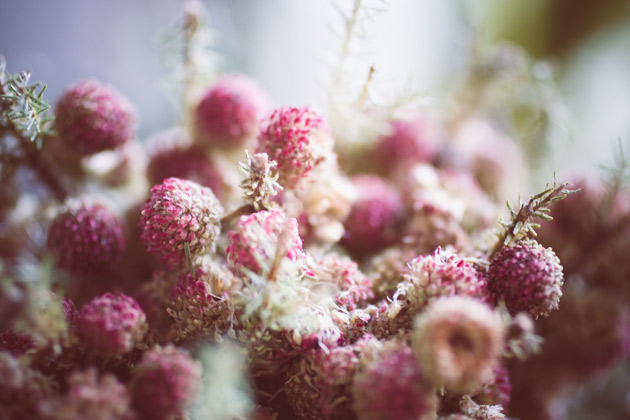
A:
[92,117]
[180,212]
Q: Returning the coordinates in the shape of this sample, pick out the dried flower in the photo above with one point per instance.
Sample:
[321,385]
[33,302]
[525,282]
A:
[195,310]
[298,140]
[261,182]
[481,412]
[256,233]
[111,325]
[92,117]
[527,277]
[355,289]
[184,162]
[94,396]
[164,383]
[393,386]
[180,213]
[16,343]
[373,220]
[497,391]
[319,383]
[433,276]
[87,238]
[458,341]
[230,111]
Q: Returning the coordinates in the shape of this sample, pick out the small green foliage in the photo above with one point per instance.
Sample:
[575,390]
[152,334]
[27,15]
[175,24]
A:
[23,105]
[520,225]
[617,177]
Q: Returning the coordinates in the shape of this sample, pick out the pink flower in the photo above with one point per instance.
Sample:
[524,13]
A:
[87,238]
[92,117]
[298,140]
[230,112]
[180,212]
[256,237]
[164,383]
[111,325]
[527,277]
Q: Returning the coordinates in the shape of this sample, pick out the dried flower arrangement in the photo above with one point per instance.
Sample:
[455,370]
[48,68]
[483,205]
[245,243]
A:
[355,272]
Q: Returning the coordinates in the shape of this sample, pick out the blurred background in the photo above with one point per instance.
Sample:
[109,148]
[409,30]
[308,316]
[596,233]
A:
[291,46]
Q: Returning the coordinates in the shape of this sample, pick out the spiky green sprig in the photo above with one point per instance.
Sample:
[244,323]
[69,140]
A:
[617,177]
[521,225]
[24,105]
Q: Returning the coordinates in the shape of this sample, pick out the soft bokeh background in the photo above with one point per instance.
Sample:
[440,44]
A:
[289,46]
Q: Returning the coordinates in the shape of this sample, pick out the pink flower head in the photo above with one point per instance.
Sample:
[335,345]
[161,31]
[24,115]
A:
[230,111]
[392,387]
[111,325]
[403,145]
[184,162]
[92,117]
[442,274]
[256,237]
[355,288]
[527,277]
[298,140]
[164,383]
[87,238]
[373,220]
[195,309]
[458,341]
[94,396]
[16,343]
[180,212]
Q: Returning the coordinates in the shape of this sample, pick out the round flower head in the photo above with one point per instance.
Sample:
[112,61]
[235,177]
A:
[87,238]
[457,341]
[92,117]
[164,383]
[230,112]
[256,237]
[373,220]
[180,212]
[184,162]
[195,309]
[298,140]
[404,144]
[111,325]
[392,387]
[355,288]
[440,274]
[319,383]
[92,397]
[527,277]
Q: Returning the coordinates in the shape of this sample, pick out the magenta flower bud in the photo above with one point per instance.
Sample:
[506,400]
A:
[527,277]
[372,223]
[404,144]
[230,112]
[87,238]
[392,387]
[184,162]
[497,391]
[180,212]
[458,341]
[164,383]
[92,117]
[298,140]
[111,325]
[255,238]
